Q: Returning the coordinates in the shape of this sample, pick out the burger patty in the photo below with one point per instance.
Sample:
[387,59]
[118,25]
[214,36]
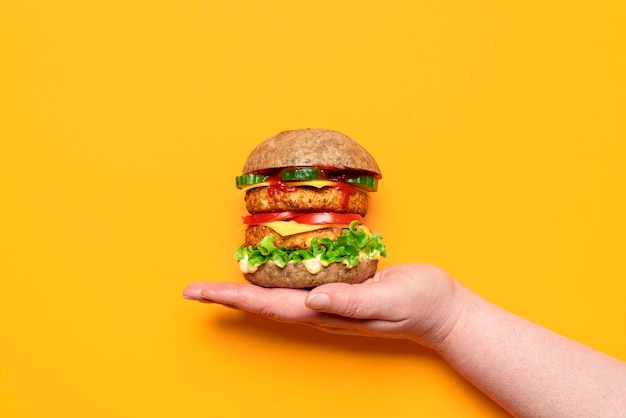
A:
[307,199]
[302,241]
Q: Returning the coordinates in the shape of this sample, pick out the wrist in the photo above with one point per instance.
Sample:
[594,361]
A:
[453,306]
[464,307]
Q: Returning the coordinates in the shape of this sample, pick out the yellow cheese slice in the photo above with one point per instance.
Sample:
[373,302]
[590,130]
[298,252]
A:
[310,183]
[286,228]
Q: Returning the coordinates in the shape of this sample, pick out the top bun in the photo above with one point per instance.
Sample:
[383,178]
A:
[323,148]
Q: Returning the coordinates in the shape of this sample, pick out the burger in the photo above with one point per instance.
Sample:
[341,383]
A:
[306,192]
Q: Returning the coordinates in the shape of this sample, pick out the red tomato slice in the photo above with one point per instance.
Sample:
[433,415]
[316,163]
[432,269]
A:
[321,218]
[328,218]
[261,218]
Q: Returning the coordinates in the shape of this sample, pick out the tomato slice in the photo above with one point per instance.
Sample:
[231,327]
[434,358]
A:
[261,218]
[321,218]
[328,218]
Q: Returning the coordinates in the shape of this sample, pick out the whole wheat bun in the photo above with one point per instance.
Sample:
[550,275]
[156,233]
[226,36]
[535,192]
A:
[323,148]
[296,276]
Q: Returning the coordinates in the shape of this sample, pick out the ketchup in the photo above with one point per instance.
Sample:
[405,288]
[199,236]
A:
[346,190]
[278,186]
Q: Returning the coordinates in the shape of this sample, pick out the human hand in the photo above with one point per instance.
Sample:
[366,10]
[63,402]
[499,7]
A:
[412,301]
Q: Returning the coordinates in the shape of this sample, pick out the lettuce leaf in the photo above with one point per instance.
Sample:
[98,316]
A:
[348,248]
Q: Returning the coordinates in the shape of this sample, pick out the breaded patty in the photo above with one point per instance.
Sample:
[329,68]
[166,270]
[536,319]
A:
[307,199]
[302,241]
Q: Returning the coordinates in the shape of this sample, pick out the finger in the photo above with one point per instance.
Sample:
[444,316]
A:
[193,291]
[370,300]
[275,303]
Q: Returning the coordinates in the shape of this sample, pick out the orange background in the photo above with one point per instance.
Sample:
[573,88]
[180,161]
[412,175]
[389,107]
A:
[500,130]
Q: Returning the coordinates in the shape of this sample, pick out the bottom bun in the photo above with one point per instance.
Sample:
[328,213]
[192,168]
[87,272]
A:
[296,276]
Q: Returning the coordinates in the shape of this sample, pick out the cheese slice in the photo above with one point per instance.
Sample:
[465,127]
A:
[286,228]
[310,183]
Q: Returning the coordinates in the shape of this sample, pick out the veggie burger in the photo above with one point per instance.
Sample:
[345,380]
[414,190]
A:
[306,191]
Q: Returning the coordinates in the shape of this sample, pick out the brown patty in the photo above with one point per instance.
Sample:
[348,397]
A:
[295,275]
[307,199]
[302,241]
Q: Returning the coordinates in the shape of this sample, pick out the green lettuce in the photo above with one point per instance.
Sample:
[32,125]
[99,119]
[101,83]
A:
[347,248]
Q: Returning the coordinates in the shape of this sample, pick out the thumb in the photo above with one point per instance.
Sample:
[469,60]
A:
[355,301]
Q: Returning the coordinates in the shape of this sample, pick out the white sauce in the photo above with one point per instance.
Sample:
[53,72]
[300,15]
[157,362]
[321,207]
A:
[313,265]
[246,267]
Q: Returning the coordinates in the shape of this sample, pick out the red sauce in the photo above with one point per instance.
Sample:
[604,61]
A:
[346,190]
[278,186]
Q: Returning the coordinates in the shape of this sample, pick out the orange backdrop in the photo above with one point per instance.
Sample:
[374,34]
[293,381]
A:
[500,129]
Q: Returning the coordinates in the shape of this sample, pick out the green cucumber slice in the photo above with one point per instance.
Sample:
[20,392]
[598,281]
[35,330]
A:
[301,174]
[249,179]
[362,181]
[365,182]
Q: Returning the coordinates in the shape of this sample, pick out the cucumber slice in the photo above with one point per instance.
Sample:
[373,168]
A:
[302,174]
[249,179]
[365,182]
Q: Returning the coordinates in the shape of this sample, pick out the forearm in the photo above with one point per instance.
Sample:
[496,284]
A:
[529,370]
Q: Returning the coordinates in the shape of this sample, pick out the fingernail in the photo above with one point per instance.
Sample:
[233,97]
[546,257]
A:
[192,292]
[317,301]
